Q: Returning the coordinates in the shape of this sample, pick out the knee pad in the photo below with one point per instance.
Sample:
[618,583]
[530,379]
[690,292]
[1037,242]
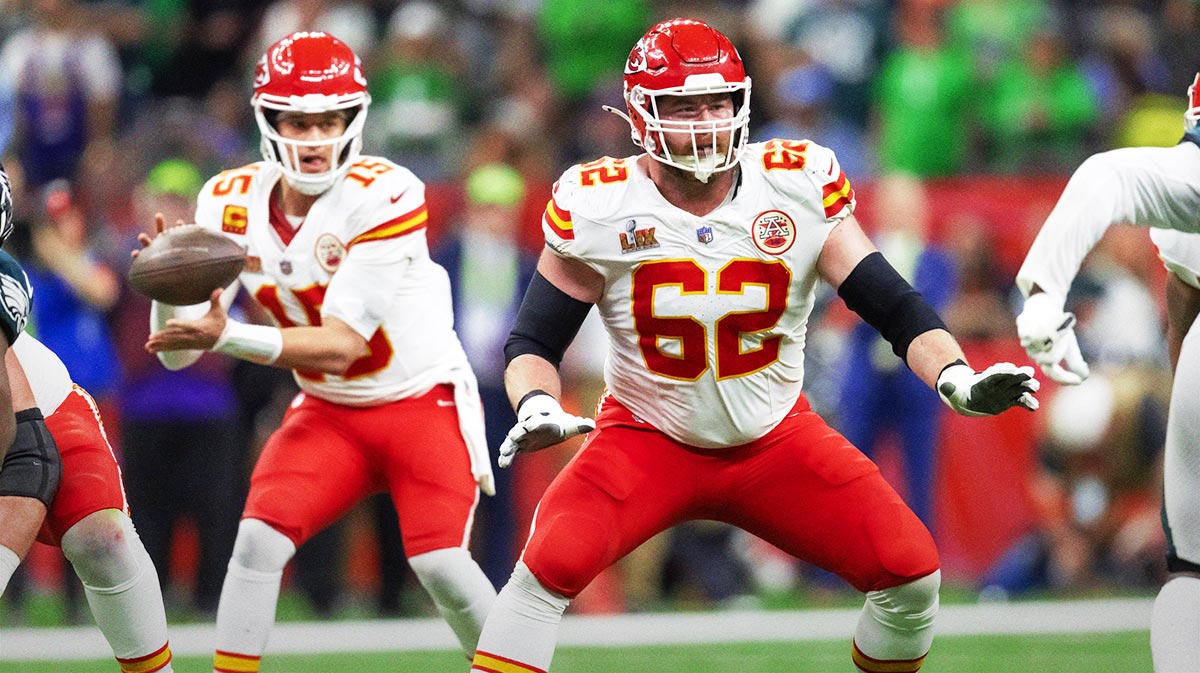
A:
[261,548]
[105,550]
[908,607]
[32,467]
[563,556]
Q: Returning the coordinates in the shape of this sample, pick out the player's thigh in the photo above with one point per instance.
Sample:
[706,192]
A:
[427,468]
[817,497]
[91,478]
[310,473]
[1181,457]
[622,488]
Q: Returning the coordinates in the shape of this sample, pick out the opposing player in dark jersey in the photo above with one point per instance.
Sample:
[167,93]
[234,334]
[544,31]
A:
[60,484]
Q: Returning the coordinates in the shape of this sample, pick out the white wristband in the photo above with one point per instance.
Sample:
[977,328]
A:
[256,343]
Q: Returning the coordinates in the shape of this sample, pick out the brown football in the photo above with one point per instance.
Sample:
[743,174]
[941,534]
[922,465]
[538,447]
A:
[184,264]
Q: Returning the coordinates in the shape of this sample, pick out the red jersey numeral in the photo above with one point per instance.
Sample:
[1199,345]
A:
[364,171]
[311,298]
[785,154]
[605,170]
[692,359]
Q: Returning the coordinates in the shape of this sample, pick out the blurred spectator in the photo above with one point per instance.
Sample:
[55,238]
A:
[1039,109]
[208,49]
[584,42]
[75,291]
[417,92]
[882,399]
[846,37]
[995,32]
[924,98]
[348,20]
[488,274]
[184,453]
[801,101]
[1096,491]
[66,80]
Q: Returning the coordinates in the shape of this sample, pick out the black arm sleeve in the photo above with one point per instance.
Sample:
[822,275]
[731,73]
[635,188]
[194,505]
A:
[547,322]
[886,301]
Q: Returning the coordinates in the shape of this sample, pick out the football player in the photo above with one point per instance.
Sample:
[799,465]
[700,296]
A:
[61,484]
[702,255]
[336,251]
[1156,187]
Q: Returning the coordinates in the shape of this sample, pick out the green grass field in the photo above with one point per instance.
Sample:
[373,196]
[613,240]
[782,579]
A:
[1094,653]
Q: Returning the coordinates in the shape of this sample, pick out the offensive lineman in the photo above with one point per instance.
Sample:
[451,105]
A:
[336,251]
[1157,187]
[702,255]
[60,484]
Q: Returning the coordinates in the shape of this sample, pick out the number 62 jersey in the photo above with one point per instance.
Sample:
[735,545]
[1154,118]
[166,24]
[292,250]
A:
[706,316]
[361,256]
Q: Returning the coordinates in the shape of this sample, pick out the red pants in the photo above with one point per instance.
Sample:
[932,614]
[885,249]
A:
[91,479]
[327,457]
[801,487]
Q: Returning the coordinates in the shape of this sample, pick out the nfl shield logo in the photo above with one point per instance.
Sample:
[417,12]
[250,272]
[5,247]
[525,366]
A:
[704,235]
[285,266]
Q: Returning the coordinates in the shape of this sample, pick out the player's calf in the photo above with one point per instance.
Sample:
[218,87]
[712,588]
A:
[896,627]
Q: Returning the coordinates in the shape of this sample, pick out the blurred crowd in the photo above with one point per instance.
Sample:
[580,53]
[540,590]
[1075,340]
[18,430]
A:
[112,110]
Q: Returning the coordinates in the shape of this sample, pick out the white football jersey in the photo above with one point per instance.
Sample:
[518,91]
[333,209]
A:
[48,377]
[360,256]
[706,316]
[1156,187]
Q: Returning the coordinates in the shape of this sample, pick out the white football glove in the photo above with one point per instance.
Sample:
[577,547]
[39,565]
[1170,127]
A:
[541,422]
[1048,334]
[988,392]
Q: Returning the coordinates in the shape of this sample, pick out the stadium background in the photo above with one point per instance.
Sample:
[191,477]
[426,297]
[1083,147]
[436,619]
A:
[112,109]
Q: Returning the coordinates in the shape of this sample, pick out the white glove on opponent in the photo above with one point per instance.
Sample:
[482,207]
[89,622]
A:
[1048,334]
[541,422]
[988,392]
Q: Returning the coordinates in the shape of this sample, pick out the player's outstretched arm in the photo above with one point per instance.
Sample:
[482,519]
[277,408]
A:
[556,303]
[881,297]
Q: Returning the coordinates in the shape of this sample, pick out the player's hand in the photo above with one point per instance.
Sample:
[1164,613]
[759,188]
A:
[541,422]
[199,334]
[145,239]
[1048,334]
[987,393]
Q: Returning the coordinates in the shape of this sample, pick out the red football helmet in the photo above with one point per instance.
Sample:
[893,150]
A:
[310,72]
[1192,116]
[684,57]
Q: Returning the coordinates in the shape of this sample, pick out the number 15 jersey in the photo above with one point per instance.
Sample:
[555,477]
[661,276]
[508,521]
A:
[360,256]
[706,316]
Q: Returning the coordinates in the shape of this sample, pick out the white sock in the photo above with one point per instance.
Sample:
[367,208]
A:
[895,629]
[122,589]
[1175,626]
[8,565]
[462,593]
[246,612]
[522,628]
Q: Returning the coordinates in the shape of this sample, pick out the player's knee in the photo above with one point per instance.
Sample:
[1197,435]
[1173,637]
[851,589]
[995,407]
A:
[451,576]
[907,607]
[102,548]
[536,601]
[261,548]
[904,547]
[570,553]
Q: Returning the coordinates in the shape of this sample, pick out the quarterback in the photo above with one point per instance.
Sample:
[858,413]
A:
[60,484]
[702,255]
[336,252]
[1156,187]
